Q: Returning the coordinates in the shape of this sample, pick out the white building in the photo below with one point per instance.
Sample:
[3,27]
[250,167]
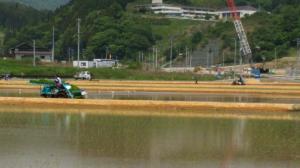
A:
[105,63]
[199,13]
[84,64]
[165,9]
[157,1]
[242,11]
[96,63]
[187,12]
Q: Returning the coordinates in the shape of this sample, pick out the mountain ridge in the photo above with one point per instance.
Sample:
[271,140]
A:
[40,4]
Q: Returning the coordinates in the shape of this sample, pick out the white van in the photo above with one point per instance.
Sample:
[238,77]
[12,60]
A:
[84,75]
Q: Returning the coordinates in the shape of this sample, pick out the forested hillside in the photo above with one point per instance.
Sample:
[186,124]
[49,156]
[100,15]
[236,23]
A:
[108,25]
[14,16]
[104,24]
[40,4]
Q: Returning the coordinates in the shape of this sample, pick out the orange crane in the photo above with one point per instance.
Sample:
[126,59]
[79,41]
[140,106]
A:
[244,44]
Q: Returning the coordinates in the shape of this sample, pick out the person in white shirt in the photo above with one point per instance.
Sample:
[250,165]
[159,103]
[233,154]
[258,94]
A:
[58,81]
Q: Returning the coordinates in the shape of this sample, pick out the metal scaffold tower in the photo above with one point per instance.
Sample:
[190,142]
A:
[244,44]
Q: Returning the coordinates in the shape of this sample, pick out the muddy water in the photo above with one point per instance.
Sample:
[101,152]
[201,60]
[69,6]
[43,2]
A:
[162,96]
[19,93]
[80,141]
[168,96]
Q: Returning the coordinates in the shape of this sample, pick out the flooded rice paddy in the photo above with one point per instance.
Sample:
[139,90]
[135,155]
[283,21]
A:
[53,140]
[47,139]
[167,96]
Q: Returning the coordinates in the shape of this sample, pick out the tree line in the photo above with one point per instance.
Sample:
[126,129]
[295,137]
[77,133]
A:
[108,28]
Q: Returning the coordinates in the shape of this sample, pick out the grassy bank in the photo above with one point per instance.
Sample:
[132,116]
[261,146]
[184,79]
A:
[26,70]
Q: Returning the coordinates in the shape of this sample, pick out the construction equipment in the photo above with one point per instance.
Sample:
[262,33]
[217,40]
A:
[66,90]
[244,44]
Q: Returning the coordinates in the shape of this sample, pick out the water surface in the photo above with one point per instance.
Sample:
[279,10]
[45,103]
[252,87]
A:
[165,96]
[81,140]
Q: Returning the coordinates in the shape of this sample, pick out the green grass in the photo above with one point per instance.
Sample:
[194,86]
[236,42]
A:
[20,69]
[25,69]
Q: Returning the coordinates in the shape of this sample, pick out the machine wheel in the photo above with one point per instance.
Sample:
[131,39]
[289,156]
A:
[62,94]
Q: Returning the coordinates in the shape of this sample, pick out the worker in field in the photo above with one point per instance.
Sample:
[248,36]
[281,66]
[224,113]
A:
[239,81]
[58,82]
[196,78]
[219,72]
[7,76]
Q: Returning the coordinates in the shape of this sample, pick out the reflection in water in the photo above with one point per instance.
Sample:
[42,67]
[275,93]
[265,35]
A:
[18,93]
[67,141]
[237,143]
[171,96]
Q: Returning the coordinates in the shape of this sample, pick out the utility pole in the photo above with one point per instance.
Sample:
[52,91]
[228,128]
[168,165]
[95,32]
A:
[212,57]
[156,58]
[241,58]
[153,57]
[106,52]
[191,57]
[53,43]
[69,54]
[207,58]
[72,54]
[78,41]
[298,49]
[171,52]
[34,53]
[139,60]
[275,55]
[235,50]
[186,56]
[223,58]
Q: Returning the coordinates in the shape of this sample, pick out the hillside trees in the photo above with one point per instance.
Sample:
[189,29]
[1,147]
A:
[14,16]
[105,27]
[122,38]
[266,32]
[281,33]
